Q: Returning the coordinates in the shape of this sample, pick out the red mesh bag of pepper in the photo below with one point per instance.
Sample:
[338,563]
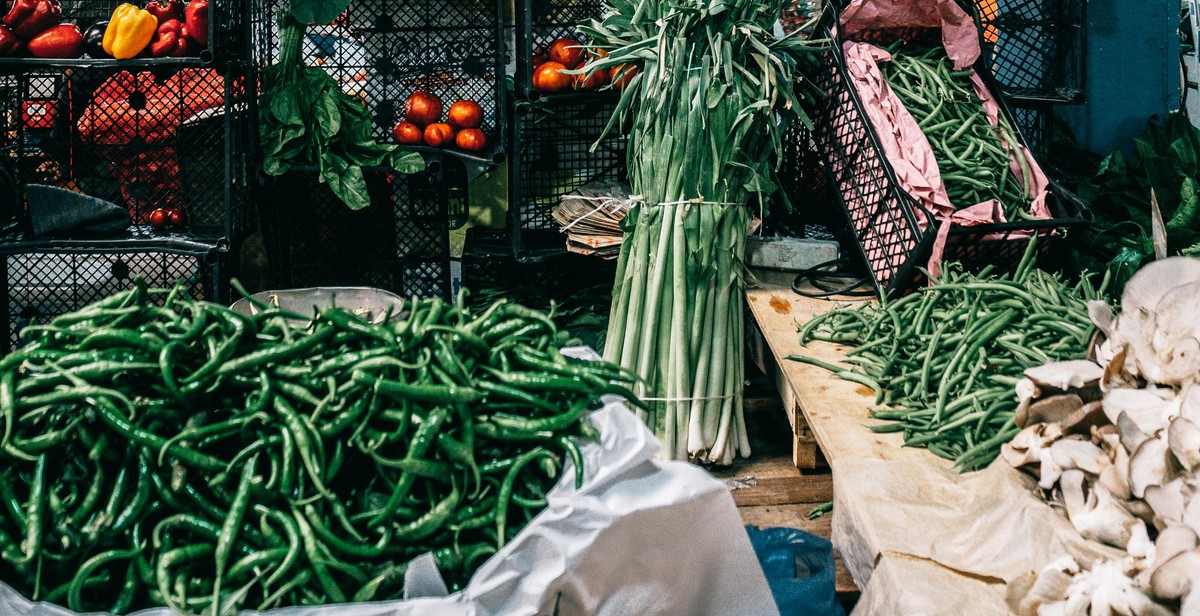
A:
[135,119]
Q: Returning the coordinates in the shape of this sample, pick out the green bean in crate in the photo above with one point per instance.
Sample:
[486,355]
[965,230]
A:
[163,451]
[943,361]
[973,156]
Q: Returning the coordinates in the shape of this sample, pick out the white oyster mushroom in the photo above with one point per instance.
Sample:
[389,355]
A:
[1097,515]
[1176,339]
[1132,330]
[1189,404]
[1049,586]
[1131,435]
[1115,477]
[1183,438]
[1151,465]
[1177,578]
[1101,315]
[1172,541]
[1083,455]
[1107,589]
[1028,446]
[1167,502]
[1064,375]
[1191,513]
[1149,408]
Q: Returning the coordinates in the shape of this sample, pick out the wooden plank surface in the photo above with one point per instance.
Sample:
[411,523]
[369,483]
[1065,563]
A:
[836,411]
[837,414]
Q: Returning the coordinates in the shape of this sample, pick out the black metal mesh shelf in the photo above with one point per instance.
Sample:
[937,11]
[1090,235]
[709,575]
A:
[1035,47]
[147,138]
[228,34]
[385,50]
[539,24]
[552,154]
[45,278]
[399,243]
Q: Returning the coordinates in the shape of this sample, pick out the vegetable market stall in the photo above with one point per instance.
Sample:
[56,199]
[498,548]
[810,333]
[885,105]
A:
[916,536]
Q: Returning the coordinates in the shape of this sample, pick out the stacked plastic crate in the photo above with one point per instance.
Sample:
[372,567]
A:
[385,51]
[554,136]
[161,137]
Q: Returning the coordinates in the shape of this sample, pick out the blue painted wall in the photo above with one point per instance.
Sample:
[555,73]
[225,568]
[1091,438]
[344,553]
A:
[1132,71]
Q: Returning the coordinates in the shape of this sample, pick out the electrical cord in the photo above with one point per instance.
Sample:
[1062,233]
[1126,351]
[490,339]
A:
[852,284]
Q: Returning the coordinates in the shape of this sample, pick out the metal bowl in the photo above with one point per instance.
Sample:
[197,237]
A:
[374,305]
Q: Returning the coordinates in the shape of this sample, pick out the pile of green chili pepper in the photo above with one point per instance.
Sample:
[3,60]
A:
[973,156]
[158,450]
[944,360]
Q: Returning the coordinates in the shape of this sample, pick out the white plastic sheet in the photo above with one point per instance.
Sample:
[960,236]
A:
[640,537]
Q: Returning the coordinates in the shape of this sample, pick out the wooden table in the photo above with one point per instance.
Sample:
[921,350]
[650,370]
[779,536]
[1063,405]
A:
[828,418]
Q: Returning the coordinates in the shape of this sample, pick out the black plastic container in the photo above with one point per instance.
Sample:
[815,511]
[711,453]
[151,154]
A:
[538,24]
[882,215]
[228,35]
[1036,48]
[385,50]
[145,137]
[45,278]
[400,243]
[555,150]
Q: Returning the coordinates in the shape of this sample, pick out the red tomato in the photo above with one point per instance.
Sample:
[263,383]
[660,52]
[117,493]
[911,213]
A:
[422,108]
[407,133]
[157,218]
[549,77]
[594,81]
[465,114]
[471,140]
[567,52]
[622,75]
[174,217]
[438,134]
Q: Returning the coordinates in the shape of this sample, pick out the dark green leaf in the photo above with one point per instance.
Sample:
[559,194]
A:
[317,11]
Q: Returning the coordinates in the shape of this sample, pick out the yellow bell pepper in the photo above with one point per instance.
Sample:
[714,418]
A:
[129,31]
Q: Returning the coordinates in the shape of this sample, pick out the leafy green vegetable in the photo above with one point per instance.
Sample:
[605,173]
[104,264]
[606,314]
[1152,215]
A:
[1166,160]
[306,119]
[317,11]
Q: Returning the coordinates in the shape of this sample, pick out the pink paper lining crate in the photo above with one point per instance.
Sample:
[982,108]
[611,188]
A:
[885,219]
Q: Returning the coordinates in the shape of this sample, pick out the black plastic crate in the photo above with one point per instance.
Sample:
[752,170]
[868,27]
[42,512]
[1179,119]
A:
[385,50]
[541,22]
[804,183]
[1036,48]
[1033,120]
[884,218]
[228,34]
[45,278]
[555,151]
[144,137]
[399,243]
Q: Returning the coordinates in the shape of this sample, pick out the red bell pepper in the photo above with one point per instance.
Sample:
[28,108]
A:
[165,10]
[10,45]
[196,16]
[61,41]
[29,18]
[171,40]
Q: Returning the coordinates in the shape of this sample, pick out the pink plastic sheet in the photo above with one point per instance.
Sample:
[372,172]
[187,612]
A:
[906,148]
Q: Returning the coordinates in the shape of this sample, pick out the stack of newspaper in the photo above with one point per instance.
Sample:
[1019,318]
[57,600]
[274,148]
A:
[591,218]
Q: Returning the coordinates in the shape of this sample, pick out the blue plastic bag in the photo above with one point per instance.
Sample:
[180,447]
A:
[799,569]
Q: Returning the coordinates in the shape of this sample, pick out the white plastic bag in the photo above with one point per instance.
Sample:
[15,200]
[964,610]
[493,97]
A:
[640,537]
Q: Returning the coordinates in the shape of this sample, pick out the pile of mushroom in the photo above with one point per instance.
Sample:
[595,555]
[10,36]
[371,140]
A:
[1115,444]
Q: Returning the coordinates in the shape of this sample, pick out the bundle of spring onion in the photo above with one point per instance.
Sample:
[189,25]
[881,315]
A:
[944,360]
[705,113]
[973,156]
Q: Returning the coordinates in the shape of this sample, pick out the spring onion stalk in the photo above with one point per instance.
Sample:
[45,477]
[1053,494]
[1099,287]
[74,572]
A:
[714,92]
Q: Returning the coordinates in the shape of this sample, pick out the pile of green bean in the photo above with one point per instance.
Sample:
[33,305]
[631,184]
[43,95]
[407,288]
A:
[162,451]
[943,360]
[974,163]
